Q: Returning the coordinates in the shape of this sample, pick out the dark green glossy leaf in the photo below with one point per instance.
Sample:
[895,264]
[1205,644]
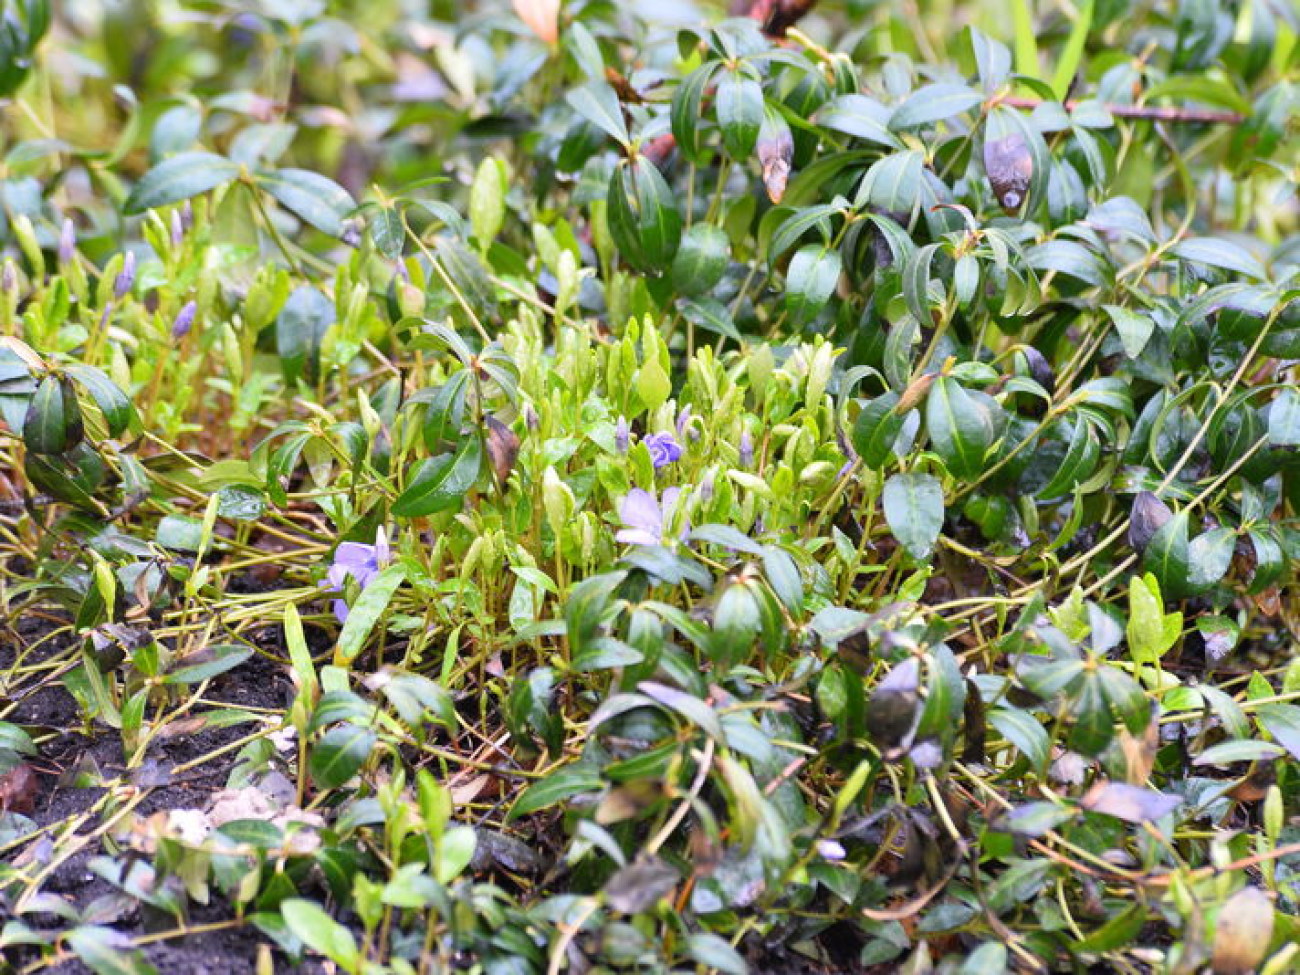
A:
[739,106]
[441,483]
[810,281]
[316,199]
[933,103]
[180,178]
[961,427]
[876,429]
[339,755]
[913,506]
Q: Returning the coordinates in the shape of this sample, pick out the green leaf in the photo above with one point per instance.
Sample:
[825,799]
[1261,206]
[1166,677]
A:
[1284,418]
[1134,329]
[961,427]
[1209,557]
[1167,556]
[320,932]
[180,178]
[1239,750]
[709,315]
[810,281]
[207,663]
[687,109]
[53,423]
[558,786]
[598,104]
[1118,932]
[112,402]
[367,610]
[310,196]
[1150,631]
[701,260]
[299,330]
[913,506]
[643,217]
[739,106]
[694,710]
[1072,53]
[1282,721]
[1079,463]
[860,117]
[933,103]
[716,953]
[339,754]
[441,483]
[1219,254]
[876,429]
[1025,732]
[1201,88]
[106,951]
[487,201]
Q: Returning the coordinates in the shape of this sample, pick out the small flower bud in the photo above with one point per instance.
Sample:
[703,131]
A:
[187,215]
[706,487]
[177,228]
[531,419]
[184,320]
[9,277]
[410,299]
[684,424]
[621,435]
[746,450]
[126,278]
[67,242]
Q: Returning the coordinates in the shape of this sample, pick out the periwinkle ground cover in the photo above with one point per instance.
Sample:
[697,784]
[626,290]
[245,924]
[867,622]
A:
[522,487]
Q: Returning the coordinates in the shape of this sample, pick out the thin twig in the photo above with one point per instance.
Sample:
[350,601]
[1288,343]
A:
[1157,113]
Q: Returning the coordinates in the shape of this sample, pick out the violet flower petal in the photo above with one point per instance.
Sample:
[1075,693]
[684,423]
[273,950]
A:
[640,510]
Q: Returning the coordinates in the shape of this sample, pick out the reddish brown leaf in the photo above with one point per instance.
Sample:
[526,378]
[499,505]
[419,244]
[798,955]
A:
[1009,167]
[18,789]
[502,448]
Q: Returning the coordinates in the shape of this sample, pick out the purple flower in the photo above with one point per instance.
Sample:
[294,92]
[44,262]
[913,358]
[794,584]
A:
[830,850]
[684,427]
[746,450]
[359,561]
[644,516]
[177,229]
[67,241]
[184,320]
[621,435]
[664,450]
[126,278]
[8,277]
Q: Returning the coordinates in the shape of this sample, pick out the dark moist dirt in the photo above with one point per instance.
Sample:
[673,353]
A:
[67,748]
[52,716]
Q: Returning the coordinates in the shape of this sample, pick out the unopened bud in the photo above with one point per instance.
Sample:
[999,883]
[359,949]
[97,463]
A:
[126,278]
[746,450]
[8,277]
[706,487]
[410,299]
[621,435]
[177,228]
[67,242]
[683,423]
[187,215]
[531,419]
[184,320]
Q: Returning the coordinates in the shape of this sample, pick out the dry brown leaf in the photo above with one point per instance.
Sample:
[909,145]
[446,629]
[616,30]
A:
[18,789]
